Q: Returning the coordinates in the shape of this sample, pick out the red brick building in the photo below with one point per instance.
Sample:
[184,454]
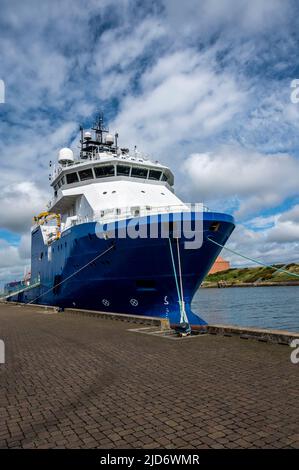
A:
[220,265]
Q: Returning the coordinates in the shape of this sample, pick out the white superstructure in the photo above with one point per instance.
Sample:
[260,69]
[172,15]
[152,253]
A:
[108,183]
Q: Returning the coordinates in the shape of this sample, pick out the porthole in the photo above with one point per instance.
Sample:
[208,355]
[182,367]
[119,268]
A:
[105,192]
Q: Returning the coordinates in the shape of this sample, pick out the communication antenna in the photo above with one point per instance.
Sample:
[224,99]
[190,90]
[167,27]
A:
[81,140]
[99,128]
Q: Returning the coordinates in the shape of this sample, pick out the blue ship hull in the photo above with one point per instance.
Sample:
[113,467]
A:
[135,276]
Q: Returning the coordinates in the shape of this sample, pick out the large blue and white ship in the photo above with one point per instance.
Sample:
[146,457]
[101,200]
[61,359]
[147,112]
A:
[114,237]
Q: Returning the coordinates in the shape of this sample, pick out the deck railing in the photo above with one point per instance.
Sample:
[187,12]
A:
[116,214]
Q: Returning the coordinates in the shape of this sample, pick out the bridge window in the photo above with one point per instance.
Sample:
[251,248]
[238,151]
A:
[60,183]
[164,177]
[104,171]
[86,174]
[139,172]
[123,170]
[71,178]
[155,175]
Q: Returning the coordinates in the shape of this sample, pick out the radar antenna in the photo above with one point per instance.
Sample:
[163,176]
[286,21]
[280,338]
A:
[91,144]
[99,128]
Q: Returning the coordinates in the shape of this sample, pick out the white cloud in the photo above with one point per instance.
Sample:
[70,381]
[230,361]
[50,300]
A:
[182,97]
[241,17]
[116,53]
[261,222]
[119,47]
[258,181]
[18,203]
[278,244]
[271,239]
[12,262]
[284,232]
[24,247]
[292,215]
[286,227]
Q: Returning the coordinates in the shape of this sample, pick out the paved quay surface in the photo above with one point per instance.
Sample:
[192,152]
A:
[76,381]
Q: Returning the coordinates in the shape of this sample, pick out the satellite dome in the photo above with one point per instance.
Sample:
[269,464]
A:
[87,135]
[65,156]
[109,139]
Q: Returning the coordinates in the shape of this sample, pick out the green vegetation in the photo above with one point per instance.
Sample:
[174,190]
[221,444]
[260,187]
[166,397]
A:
[254,275]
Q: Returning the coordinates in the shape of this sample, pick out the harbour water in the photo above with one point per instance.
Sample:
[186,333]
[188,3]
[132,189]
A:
[262,307]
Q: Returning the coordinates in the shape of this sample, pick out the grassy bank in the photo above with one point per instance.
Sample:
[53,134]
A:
[253,276]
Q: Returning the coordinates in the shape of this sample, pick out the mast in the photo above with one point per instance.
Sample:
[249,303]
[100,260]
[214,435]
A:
[98,141]
[81,141]
[99,128]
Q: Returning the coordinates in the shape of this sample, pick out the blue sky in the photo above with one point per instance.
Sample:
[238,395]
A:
[201,85]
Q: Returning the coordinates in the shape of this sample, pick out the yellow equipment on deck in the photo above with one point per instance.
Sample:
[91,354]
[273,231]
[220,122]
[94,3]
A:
[45,217]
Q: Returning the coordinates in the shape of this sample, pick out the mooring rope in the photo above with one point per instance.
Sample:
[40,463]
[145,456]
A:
[253,260]
[184,318]
[181,302]
[73,274]
[174,272]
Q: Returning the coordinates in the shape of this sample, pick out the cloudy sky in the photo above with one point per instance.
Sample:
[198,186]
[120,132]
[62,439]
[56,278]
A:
[201,85]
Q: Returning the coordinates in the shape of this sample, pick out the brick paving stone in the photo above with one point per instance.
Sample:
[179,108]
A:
[82,382]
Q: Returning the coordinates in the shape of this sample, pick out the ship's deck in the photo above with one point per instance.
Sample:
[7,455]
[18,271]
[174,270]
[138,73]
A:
[77,381]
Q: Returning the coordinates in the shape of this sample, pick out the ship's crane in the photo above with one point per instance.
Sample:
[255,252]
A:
[45,217]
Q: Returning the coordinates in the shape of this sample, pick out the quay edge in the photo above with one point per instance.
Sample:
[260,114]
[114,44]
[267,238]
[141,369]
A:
[266,335]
